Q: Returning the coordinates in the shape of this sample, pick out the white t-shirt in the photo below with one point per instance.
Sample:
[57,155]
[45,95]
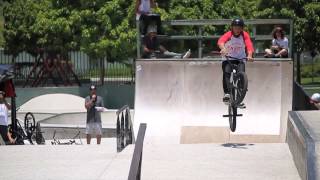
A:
[144,8]
[236,47]
[3,115]
[283,43]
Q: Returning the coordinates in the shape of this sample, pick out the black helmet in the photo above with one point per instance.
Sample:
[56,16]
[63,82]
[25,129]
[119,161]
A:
[237,22]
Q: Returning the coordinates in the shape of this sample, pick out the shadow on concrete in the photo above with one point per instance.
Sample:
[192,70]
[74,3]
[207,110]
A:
[237,145]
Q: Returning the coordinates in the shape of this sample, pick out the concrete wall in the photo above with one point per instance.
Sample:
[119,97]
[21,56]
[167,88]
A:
[303,137]
[115,96]
[182,101]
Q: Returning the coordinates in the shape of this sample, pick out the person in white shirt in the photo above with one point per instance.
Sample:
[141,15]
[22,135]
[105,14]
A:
[4,107]
[143,7]
[315,100]
[280,45]
[145,16]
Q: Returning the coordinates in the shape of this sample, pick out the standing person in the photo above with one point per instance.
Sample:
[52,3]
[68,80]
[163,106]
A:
[234,43]
[94,125]
[145,16]
[280,44]
[143,7]
[4,107]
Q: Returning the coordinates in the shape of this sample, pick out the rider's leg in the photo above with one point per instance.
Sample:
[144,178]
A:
[88,138]
[226,69]
[241,68]
[99,132]
[88,132]
[98,139]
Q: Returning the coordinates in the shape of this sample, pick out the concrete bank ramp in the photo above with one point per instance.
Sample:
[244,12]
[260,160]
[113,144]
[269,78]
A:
[181,101]
[54,103]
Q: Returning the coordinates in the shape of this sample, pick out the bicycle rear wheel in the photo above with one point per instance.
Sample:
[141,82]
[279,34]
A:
[232,117]
[241,81]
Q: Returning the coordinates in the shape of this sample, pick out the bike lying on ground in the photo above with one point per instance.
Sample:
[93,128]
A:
[67,142]
[30,131]
[238,87]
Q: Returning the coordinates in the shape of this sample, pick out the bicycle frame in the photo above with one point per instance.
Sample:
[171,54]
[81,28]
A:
[234,71]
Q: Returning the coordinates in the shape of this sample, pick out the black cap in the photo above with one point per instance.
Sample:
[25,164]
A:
[93,87]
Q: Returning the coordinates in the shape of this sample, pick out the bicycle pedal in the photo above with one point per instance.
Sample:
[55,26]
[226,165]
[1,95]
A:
[226,115]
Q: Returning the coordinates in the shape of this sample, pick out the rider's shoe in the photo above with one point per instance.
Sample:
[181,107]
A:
[226,98]
[242,106]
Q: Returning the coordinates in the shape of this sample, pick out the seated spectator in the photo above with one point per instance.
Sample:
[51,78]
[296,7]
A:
[315,99]
[153,49]
[280,47]
[4,107]
[145,16]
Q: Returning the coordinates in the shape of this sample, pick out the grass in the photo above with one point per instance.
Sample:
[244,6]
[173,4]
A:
[118,71]
[308,81]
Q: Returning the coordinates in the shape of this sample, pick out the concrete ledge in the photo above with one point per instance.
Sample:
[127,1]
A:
[303,140]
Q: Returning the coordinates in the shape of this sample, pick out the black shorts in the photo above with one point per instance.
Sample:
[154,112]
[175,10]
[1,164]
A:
[4,133]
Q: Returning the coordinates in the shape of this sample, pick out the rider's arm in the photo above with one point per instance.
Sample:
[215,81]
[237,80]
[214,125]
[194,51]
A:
[223,39]
[248,43]
[88,103]
[7,104]
[145,49]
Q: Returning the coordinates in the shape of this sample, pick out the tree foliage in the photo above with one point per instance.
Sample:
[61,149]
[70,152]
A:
[107,27]
[305,15]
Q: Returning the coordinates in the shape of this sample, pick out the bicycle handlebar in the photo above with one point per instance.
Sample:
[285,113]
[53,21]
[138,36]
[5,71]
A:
[239,59]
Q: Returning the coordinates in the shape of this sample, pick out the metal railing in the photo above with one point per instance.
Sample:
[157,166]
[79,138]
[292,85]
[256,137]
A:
[125,135]
[135,167]
[28,68]
[200,37]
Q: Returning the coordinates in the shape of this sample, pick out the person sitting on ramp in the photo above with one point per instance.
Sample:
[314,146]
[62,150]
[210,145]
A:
[153,49]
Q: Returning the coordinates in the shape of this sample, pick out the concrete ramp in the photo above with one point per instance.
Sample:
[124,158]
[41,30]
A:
[181,101]
[54,103]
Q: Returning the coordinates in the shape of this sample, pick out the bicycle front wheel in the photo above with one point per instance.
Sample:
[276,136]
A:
[232,118]
[241,81]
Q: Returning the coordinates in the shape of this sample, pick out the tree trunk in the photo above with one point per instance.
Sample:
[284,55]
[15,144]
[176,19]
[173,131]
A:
[102,71]
[298,68]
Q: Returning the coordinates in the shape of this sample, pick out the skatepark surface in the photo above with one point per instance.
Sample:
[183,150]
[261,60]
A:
[186,136]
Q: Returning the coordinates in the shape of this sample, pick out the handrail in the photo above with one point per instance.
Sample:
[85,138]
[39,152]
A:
[219,22]
[256,59]
[201,22]
[125,135]
[122,109]
[135,167]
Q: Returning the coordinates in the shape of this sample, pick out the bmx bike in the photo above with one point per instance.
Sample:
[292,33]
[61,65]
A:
[30,131]
[238,87]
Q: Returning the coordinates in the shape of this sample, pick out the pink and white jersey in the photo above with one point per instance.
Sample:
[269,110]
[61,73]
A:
[236,47]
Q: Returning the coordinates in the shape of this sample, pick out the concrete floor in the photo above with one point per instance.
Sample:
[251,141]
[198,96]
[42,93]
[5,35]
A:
[87,162]
[165,162]
[219,161]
